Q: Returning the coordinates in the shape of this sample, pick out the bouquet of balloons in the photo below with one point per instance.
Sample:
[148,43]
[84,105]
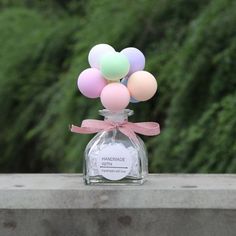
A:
[116,77]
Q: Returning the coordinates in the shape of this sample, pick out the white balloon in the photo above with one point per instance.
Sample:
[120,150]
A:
[97,52]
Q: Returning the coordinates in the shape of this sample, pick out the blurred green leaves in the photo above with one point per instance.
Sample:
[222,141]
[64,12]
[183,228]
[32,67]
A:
[189,45]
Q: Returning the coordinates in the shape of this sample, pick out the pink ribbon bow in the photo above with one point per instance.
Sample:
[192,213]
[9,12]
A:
[127,128]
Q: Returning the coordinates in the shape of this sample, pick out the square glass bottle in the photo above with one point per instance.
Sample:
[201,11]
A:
[111,157]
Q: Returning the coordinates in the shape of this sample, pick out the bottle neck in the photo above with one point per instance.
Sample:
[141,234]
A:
[120,116]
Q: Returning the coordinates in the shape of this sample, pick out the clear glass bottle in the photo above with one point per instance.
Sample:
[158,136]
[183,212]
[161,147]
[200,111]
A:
[113,158]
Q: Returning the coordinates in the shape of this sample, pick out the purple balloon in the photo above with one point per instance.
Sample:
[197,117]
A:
[136,59]
[91,83]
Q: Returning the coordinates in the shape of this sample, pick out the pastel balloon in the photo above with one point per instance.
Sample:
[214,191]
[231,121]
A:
[136,59]
[114,66]
[111,81]
[91,82]
[124,81]
[142,85]
[97,52]
[115,97]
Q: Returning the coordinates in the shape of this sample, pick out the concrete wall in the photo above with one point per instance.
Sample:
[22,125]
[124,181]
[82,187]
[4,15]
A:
[57,204]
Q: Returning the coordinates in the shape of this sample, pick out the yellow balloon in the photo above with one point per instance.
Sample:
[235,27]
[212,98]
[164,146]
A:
[142,85]
[112,81]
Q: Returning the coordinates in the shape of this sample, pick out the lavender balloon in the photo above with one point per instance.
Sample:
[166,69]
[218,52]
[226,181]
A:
[124,81]
[136,59]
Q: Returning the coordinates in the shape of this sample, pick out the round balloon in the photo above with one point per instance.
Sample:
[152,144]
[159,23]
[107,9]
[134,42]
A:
[115,97]
[136,59]
[91,82]
[124,81]
[114,66]
[97,52]
[142,85]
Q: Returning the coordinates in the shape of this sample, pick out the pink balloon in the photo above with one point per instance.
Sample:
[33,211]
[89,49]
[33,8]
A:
[115,97]
[91,82]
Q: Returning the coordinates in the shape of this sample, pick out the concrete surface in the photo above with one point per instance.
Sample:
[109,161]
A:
[60,204]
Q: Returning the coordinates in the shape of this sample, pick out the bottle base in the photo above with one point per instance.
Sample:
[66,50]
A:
[100,180]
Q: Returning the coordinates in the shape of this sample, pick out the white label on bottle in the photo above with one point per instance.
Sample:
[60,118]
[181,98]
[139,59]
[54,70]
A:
[114,162]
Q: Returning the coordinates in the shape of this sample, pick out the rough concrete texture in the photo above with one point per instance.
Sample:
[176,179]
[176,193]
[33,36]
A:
[167,205]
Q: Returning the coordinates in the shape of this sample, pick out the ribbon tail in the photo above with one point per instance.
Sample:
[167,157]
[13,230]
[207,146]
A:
[145,128]
[129,133]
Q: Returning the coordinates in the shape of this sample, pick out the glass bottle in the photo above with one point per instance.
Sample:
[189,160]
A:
[112,157]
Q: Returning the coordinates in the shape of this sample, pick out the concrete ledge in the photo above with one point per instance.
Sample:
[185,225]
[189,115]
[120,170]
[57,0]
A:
[67,191]
[60,204]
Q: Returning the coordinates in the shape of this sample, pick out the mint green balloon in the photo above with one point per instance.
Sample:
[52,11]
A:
[114,66]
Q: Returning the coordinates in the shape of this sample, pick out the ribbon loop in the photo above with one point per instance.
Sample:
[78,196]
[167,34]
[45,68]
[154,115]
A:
[129,129]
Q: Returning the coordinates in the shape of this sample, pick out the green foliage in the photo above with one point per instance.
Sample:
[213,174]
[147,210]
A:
[189,45]
[201,124]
